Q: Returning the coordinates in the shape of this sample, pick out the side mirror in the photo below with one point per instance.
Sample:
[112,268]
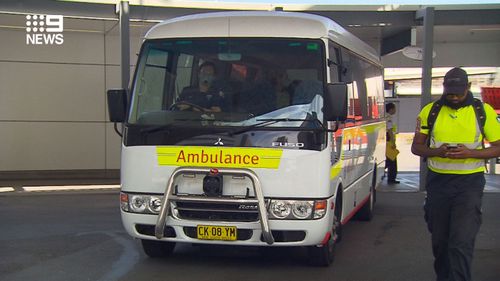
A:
[335,102]
[117,105]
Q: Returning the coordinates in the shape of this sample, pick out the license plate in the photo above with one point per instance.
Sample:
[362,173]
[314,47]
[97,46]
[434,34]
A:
[212,232]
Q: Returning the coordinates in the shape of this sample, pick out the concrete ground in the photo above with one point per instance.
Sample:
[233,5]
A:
[78,236]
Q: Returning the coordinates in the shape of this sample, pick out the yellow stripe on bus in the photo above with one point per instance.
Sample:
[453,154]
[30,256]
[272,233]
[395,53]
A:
[371,128]
[336,169]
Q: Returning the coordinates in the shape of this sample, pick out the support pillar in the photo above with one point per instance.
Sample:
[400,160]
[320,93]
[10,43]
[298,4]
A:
[122,9]
[427,15]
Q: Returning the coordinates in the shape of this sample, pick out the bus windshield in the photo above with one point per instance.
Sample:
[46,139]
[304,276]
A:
[228,81]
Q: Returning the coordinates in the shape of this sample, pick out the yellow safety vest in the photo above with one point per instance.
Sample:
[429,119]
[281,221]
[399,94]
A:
[459,126]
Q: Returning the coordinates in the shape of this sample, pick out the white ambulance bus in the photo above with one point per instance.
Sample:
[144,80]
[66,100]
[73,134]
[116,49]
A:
[279,143]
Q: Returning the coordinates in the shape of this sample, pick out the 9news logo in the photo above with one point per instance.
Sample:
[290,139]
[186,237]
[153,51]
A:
[44,30]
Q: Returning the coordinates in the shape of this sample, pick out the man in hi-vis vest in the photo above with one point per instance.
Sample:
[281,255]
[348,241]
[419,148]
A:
[450,135]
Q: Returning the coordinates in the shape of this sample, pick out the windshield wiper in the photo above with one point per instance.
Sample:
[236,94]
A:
[170,125]
[315,120]
[156,128]
[270,121]
[263,123]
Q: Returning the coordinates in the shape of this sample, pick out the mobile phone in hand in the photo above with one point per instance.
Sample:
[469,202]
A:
[451,146]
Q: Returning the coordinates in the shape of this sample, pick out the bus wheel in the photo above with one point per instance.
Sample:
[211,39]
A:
[338,219]
[366,212]
[322,256]
[157,249]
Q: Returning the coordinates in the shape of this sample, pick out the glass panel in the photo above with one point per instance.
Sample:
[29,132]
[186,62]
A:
[367,98]
[149,88]
[184,69]
[229,82]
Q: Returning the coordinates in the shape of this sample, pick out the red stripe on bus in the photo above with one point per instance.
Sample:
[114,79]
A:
[327,237]
[356,209]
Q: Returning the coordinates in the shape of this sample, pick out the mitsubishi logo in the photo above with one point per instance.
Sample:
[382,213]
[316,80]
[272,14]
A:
[219,142]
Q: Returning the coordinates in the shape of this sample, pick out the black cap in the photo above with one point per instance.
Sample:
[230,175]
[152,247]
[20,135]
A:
[455,81]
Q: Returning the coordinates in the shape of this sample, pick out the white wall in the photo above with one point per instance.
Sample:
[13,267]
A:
[53,111]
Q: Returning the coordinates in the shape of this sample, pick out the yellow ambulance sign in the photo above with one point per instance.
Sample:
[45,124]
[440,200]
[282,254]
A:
[220,157]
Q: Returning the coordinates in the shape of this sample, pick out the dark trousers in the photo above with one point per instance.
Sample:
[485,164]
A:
[453,216]
[392,169]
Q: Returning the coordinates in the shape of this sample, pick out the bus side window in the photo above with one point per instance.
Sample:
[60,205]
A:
[346,75]
[375,92]
[333,63]
[355,70]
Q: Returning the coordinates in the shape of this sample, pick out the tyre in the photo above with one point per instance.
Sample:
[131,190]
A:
[157,249]
[366,212]
[324,255]
[338,219]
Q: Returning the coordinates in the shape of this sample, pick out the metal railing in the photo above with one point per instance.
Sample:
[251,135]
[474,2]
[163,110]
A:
[169,196]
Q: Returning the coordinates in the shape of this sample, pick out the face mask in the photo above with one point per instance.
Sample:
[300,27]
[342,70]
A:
[452,104]
[207,78]
[465,102]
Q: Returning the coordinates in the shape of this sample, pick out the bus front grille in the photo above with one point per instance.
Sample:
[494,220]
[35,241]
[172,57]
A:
[232,212]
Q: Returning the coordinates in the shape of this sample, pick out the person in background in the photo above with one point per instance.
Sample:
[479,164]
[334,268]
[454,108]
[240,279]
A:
[455,178]
[206,97]
[391,162]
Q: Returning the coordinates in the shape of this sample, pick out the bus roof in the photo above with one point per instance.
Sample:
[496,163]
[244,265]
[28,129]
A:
[261,24]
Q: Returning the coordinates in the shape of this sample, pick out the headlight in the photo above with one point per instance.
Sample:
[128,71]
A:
[280,209]
[140,203]
[302,209]
[155,204]
[297,209]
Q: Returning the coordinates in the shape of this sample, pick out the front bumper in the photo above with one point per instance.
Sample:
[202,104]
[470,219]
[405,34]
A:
[285,233]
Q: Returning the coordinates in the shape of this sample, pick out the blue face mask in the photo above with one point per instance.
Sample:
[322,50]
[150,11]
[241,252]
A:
[207,78]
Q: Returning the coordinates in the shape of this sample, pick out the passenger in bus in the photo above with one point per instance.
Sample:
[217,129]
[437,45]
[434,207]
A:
[207,97]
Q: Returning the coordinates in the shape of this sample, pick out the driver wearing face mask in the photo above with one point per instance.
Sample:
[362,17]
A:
[205,97]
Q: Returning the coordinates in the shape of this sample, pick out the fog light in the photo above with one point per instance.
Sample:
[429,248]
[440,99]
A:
[280,209]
